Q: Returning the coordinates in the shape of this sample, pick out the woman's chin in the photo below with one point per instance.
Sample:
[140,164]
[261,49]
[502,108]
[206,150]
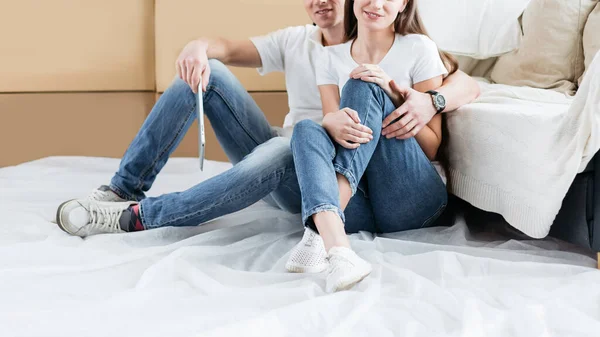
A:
[372,27]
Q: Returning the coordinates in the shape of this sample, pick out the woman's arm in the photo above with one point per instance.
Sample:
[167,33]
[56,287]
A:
[330,98]
[343,125]
[430,136]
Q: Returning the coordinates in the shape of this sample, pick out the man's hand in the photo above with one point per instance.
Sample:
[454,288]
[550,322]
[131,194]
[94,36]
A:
[416,111]
[344,127]
[192,64]
[374,74]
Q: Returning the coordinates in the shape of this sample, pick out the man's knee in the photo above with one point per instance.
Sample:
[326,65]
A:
[220,75]
[305,129]
[274,153]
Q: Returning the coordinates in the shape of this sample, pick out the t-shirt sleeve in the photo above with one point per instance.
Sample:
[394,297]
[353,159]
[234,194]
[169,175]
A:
[271,48]
[324,71]
[428,62]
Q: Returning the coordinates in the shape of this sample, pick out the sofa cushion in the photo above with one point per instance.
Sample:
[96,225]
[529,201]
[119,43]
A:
[551,52]
[591,37]
[476,28]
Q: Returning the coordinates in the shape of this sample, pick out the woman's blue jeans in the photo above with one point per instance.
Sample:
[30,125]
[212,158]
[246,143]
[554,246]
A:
[395,187]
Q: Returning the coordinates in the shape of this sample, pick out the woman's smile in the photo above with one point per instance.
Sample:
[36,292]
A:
[372,16]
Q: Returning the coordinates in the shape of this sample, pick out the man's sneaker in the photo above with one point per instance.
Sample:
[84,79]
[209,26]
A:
[345,269]
[104,193]
[309,256]
[85,217]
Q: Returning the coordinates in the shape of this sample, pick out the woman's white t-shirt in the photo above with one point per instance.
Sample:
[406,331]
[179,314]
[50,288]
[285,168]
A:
[412,59]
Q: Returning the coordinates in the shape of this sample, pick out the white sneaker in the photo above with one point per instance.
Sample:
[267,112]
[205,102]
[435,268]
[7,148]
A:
[85,217]
[345,269]
[309,255]
[104,193]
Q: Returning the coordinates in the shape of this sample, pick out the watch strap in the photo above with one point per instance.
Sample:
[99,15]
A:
[434,95]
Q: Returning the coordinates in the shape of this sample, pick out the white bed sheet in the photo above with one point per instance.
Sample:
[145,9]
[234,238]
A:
[227,278]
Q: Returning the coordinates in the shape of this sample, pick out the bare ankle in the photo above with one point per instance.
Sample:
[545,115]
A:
[331,228]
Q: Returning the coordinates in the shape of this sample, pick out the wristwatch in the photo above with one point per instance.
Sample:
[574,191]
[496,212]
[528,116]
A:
[439,101]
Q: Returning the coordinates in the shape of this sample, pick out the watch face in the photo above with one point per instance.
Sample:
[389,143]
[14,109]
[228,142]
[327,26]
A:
[440,100]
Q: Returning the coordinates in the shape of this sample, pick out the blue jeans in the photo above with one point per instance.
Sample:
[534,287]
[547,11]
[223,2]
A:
[263,164]
[394,185]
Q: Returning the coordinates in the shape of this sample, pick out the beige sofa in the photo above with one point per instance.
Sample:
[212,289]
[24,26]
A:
[78,77]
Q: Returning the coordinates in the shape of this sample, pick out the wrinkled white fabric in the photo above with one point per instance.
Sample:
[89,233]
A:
[227,278]
[516,150]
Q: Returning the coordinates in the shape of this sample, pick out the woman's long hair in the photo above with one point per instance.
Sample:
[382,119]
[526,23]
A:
[409,22]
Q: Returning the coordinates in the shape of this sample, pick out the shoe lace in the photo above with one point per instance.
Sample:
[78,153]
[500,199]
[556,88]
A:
[104,218]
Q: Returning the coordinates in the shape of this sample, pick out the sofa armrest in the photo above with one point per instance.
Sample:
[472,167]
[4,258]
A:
[595,224]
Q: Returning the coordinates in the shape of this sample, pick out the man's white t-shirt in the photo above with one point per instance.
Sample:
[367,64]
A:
[294,51]
[412,59]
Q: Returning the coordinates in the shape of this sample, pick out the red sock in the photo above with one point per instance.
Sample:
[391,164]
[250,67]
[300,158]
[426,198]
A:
[135,224]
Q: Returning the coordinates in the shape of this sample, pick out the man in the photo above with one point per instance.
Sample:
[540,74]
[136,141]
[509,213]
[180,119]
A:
[263,164]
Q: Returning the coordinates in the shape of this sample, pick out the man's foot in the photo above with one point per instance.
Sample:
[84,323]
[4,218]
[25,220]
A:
[345,269]
[309,255]
[104,193]
[85,217]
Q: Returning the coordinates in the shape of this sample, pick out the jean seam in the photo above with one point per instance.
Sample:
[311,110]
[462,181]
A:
[322,208]
[142,219]
[238,196]
[348,174]
[434,215]
[165,149]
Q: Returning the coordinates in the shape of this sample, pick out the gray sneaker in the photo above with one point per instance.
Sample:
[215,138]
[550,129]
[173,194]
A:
[84,217]
[104,193]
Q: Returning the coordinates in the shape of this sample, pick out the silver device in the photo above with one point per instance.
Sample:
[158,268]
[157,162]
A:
[201,139]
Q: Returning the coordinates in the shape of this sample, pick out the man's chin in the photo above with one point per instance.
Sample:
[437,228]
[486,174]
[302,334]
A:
[325,24]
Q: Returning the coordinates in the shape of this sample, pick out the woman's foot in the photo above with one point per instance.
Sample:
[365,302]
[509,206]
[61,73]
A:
[309,255]
[345,269]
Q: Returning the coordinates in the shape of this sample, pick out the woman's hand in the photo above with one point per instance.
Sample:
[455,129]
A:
[374,74]
[345,128]
[192,64]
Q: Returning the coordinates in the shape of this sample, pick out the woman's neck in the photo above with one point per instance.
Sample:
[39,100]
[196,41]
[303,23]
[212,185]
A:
[372,46]
[333,35]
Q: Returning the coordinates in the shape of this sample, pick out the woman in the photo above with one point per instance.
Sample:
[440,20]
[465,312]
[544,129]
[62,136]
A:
[387,46]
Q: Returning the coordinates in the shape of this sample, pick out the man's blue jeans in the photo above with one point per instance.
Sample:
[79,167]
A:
[395,187]
[263,165]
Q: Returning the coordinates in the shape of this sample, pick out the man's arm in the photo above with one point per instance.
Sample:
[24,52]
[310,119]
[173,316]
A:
[458,89]
[418,109]
[192,63]
[240,53]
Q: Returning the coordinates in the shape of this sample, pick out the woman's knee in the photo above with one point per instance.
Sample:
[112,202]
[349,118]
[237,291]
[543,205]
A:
[359,87]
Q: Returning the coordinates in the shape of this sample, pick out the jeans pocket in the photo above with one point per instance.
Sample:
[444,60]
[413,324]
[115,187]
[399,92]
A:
[435,215]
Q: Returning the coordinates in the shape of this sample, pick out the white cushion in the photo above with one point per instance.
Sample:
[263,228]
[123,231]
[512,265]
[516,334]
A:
[476,28]
[551,53]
